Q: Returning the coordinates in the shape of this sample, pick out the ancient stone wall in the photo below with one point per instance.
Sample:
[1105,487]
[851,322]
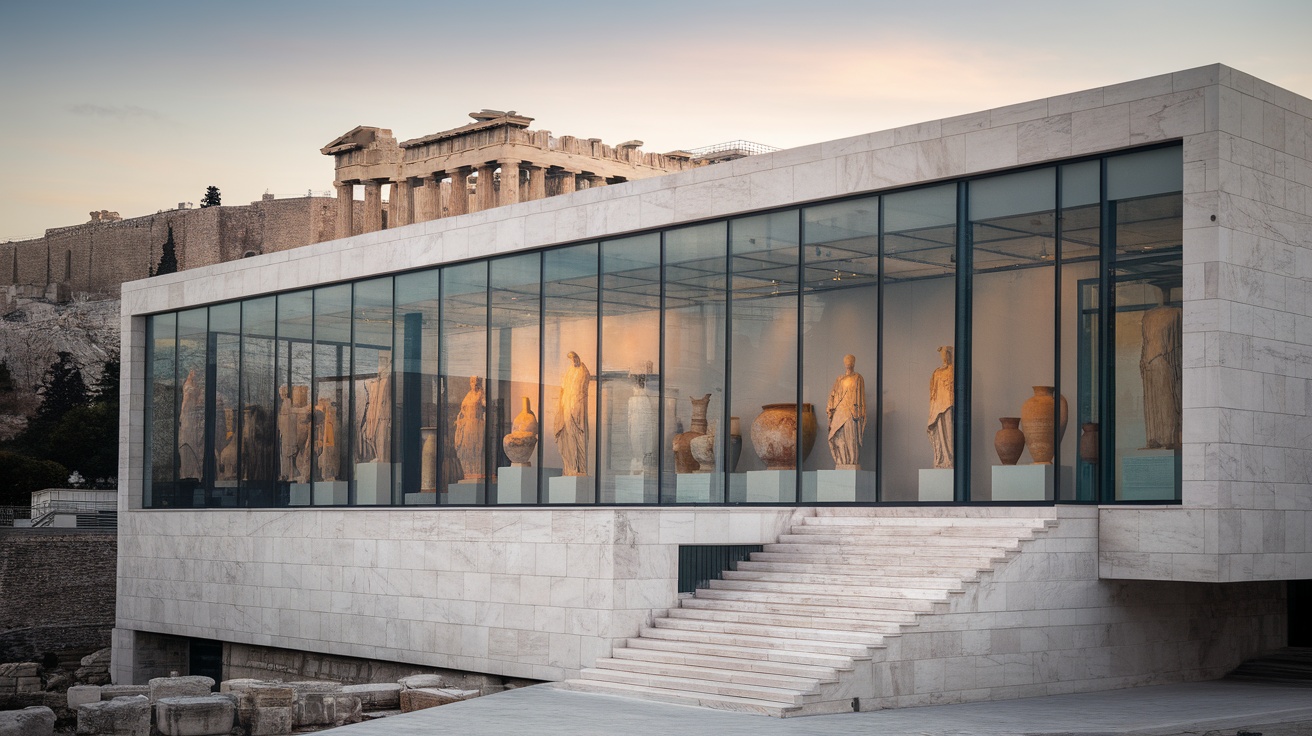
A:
[56,591]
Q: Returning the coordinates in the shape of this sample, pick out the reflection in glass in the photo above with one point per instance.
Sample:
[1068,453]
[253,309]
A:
[332,395]
[415,408]
[258,392]
[463,352]
[225,355]
[569,358]
[372,374]
[1081,246]
[295,454]
[512,392]
[192,342]
[161,406]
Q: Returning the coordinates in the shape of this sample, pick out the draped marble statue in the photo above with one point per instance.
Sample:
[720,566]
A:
[375,442]
[1160,368]
[847,416]
[940,410]
[286,426]
[572,417]
[325,439]
[191,429]
[470,425]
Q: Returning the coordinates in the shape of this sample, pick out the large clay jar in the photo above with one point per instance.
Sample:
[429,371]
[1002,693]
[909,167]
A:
[428,460]
[774,435]
[684,462]
[523,438]
[1036,417]
[1089,442]
[1009,441]
[735,442]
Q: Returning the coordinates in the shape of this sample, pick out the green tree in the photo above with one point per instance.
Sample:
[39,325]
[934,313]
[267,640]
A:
[212,197]
[62,389]
[20,475]
[168,259]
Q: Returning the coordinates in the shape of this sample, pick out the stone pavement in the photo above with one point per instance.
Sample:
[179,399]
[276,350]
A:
[1165,710]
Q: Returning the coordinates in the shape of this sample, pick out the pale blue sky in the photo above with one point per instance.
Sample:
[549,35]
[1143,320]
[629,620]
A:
[136,106]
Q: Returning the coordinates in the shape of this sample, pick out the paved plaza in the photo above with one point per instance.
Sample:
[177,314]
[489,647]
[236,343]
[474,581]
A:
[1221,706]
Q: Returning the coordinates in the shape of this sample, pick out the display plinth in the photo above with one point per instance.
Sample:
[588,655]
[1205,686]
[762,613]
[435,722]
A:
[936,484]
[771,486]
[693,487]
[633,489]
[298,494]
[331,492]
[570,489]
[828,486]
[1023,482]
[373,484]
[519,484]
[226,493]
[1149,475]
[466,492]
[421,499]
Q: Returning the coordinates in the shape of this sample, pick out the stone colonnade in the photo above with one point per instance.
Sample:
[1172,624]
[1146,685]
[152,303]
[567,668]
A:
[450,193]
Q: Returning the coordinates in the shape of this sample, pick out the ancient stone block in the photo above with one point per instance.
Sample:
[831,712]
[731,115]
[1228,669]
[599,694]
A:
[20,669]
[124,716]
[241,683]
[179,687]
[381,696]
[79,694]
[100,657]
[210,715]
[37,720]
[109,692]
[267,696]
[268,721]
[28,684]
[414,681]
[347,709]
[431,697]
[314,709]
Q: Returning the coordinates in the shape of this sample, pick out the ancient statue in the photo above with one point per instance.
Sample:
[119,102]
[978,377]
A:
[287,447]
[191,429]
[469,430]
[940,410]
[325,439]
[1160,367]
[572,417]
[375,443]
[847,416]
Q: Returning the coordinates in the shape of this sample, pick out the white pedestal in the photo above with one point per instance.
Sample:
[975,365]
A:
[936,484]
[226,492]
[693,487]
[633,489]
[519,484]
[300,495]
[421,499]
[330,492]
[570,489]
[828,486]
[1023,482]
[373,484]
[737,488]
[771,486]
[1148,477]
[465,492]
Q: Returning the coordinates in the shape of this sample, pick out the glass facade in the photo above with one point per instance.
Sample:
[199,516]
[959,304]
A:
[1007,338]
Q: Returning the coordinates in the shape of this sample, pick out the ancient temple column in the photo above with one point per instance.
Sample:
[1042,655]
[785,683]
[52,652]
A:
[509,182]
[430,199]
[403,203]
[458,202]
[595,181]
[373,206]
[537,182]
[485,192]
[345,208]
[567,181]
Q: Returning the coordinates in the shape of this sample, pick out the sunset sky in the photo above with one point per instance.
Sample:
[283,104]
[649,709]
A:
[136,106]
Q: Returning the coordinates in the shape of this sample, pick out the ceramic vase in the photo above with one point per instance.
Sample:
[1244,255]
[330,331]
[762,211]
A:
[428,460]
[1036,417]
[523,438]
[703,451]
[1089,442]
[684,462]
[735,442]
[774,435]
[1009,441]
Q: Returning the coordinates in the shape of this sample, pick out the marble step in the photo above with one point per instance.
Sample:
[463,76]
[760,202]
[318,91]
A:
[887,547]
[716,674]
[982,532]
[818,554]
[855,651]
[922,540]
[791,620]
[925,522]
[829,635]
[910,599]
[867,577]
[760,654]
[787,696]
[963,574]
[874,608]
[814,672]
[682,697]
[896,621]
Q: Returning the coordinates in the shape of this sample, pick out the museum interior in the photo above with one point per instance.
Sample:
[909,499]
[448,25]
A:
[1022,328]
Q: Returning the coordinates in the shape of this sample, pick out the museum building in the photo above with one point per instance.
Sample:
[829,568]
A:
[992,406]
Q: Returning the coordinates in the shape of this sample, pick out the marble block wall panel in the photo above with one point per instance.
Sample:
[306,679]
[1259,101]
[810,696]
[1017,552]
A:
[1044,623]
[536,593]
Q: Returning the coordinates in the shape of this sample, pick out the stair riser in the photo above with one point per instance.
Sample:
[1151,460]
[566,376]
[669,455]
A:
[884,540]
[820,674]
[714,674]
[698,686]
[898,621]
[873,550]
[838,662]
[794,621]
[973,562]
[702,700]
[776,632]
[873,607]
[908,583]
[826,587]
[893,573]
[746,640]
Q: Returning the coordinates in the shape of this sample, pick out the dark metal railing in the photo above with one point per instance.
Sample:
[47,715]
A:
[699,564]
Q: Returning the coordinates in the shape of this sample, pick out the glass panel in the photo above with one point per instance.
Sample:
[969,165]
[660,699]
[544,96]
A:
[630,360]
[294,414]
[920,236]
[462,399]
[192,343]
[225,352]
[332,395]
[417,315]
[696,284]
[840,318]
[258,460]
[1080,358]
[514,413]
[1134,175]
[1017,419]
[161,408]
[372,428]
[569,357]
[763,385]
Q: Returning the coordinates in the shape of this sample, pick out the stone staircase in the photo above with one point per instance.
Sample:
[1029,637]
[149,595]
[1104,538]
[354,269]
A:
[795,630]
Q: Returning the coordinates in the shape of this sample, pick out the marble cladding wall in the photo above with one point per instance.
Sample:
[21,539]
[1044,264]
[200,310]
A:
[534,593]
[1044,623]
